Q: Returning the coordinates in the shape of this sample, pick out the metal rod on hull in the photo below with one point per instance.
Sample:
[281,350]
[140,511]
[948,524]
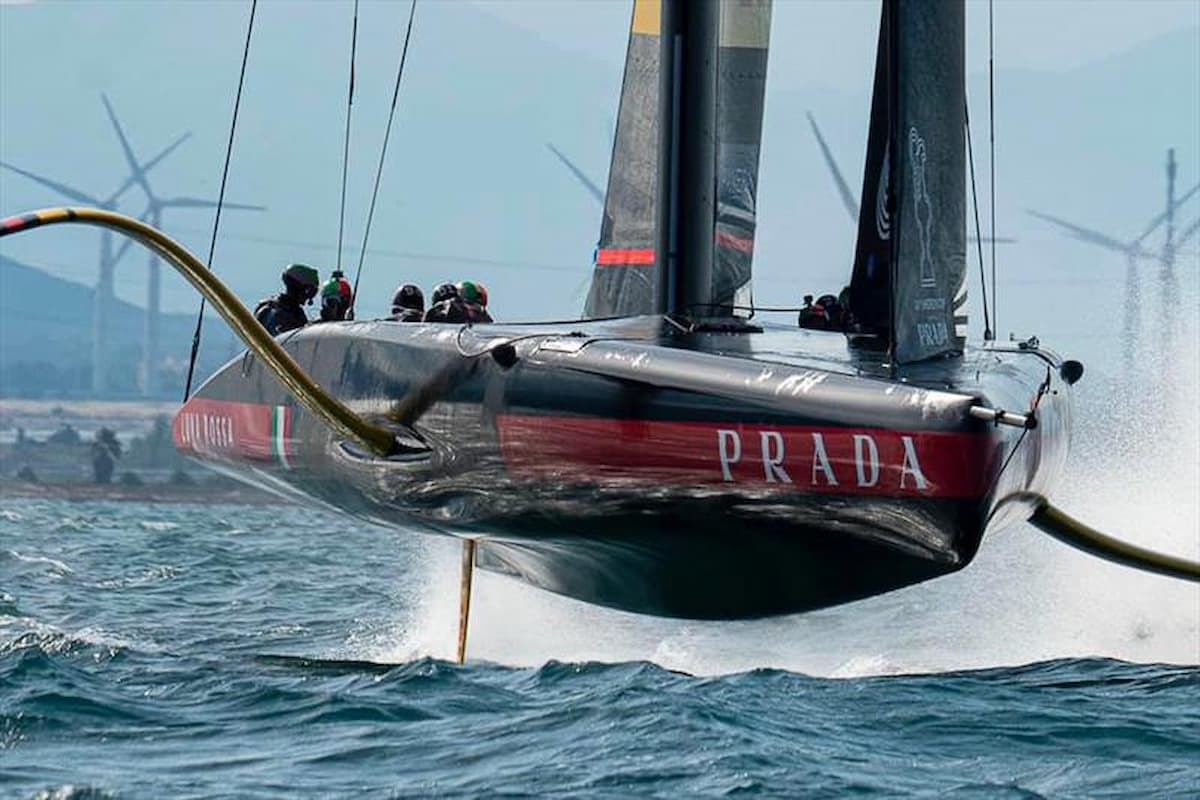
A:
[464,597]
[323,405]
[1002,417]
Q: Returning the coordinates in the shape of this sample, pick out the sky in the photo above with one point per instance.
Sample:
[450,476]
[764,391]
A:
[1032,34]
[490,82]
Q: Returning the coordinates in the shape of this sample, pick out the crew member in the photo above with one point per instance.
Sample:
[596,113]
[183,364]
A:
[474,298]
[408,304]
[826,314]
[285,312]
[336,297]
[445,305]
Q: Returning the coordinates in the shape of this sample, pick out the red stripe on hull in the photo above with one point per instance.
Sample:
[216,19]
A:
[786,458]
[227,429]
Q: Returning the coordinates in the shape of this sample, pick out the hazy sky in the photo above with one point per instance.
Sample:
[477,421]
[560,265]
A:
[489,82]
[1035,34]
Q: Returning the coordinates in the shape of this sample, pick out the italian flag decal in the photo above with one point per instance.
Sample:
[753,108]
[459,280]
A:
[235,431]
[281,424]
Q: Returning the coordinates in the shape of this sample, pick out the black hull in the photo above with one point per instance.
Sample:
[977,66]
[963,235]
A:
[711,476]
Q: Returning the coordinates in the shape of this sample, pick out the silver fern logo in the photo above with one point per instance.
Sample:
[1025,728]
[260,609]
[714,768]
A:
[922,207]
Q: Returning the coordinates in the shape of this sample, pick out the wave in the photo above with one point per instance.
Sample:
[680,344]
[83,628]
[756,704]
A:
[1064,727]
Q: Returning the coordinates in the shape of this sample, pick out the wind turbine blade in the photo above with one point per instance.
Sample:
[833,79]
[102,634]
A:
[588,183]
[149,165]
[199,202]
[842,187]
[136,171]
[1088,235]
[1162,216]
[1188,232]
[997,239]
[61,188]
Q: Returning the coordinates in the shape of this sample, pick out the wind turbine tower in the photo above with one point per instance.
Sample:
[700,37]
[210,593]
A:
[103,295]
[153,217]
[1134,250]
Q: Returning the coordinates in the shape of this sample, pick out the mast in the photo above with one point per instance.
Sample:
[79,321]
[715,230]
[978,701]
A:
[687,114]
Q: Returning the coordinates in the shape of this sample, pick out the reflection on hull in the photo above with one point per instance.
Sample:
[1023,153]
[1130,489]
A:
[699,475]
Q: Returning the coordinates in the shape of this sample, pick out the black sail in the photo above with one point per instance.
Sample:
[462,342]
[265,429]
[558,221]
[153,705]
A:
[871,282]
[909,280]
[624,278]
[931,257]
[741,86]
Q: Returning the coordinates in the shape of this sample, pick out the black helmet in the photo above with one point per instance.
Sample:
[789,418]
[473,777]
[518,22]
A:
[443,291]
[303,280]
[408,296]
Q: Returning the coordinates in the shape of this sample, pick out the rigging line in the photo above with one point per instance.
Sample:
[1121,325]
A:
[212,245]
[992,158]
[383,154]
[346,149]
[988,333]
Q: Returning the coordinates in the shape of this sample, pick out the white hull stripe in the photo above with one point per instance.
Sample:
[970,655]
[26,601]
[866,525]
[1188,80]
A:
[279,442]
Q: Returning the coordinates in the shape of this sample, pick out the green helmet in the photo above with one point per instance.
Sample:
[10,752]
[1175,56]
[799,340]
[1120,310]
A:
[473,293]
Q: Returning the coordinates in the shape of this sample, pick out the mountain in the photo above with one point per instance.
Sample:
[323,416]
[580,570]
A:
[46,338]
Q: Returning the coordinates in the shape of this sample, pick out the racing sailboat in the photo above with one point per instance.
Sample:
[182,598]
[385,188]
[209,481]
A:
[667,454]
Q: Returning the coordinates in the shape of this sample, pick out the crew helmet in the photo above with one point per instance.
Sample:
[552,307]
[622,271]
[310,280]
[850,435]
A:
[472,292]
[443,291]
[335,298]
[302,279]
[336,288]
[408,296]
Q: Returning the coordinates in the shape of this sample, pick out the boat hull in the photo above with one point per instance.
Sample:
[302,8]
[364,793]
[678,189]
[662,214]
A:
[699,475]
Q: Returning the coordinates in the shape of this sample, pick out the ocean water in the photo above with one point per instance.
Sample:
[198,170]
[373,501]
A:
[226,651]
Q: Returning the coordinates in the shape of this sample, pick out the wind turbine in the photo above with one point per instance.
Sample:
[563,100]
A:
[153,216]
[847,196]
[1133,250]
[593,188]
[103,295]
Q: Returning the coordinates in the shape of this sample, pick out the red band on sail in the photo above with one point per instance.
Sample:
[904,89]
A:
[743,244]
[612,258]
